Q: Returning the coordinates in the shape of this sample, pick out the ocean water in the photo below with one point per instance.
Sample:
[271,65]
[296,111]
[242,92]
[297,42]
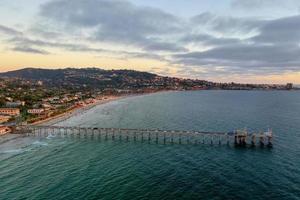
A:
[64,168]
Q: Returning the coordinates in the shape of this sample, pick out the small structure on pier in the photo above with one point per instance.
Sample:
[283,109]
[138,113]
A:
[240,137]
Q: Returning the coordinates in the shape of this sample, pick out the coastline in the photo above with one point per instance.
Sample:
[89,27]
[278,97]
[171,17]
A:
[74,111]
[68,114]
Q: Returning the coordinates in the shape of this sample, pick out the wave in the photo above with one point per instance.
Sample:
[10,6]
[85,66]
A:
[50,136]
[39,143]
[13,151]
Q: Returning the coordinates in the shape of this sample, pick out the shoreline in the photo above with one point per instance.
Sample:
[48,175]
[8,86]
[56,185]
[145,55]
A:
[72,112]
[68,114]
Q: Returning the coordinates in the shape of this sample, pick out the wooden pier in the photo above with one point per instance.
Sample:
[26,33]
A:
[237,138]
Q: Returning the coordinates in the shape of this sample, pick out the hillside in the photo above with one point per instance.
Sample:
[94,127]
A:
[90,77]
[99,78]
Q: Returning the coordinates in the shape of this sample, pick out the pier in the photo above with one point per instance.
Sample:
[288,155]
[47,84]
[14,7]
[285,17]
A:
[237,138]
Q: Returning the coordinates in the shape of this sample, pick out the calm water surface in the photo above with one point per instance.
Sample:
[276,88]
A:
[61,168]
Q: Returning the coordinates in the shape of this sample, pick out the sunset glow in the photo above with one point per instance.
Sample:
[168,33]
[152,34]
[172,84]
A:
[228,41]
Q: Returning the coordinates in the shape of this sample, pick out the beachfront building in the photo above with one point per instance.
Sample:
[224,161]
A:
[4,130]
[4,118]
[10,111]
[90,101]
[35,111]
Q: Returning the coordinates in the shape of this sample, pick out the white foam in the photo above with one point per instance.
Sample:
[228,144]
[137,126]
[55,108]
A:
[13,151]
[50,136]
[39,143]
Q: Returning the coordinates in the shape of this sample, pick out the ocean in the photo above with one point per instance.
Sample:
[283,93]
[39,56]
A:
[65,168]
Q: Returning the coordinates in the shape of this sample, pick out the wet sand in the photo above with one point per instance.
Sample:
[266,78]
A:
[9,137]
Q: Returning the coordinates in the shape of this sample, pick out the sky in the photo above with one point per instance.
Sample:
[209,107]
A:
[248,41]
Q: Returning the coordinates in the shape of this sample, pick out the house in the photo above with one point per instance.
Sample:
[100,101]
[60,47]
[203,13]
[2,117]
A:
[90,101]
[10,111]
[15,104]
[81,103]
[9,99]
[4,130]
[53,100]
[47,106]
[36,111]
[4,118]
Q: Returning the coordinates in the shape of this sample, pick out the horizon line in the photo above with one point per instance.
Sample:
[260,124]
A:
[101,68]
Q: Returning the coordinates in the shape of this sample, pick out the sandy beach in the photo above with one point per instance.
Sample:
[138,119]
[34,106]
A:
[74,111]
[64,116]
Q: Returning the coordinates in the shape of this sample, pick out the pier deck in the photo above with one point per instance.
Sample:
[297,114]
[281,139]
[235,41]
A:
[238,138]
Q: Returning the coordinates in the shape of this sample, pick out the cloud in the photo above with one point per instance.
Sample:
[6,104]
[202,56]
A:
[116,21]
[41,31]
[34,46]
[24,41]
[164,46]
[247,54]
[256,4]
[274,48]
[227,24]
[254,59]
[209,40]
[280,31]
[9,31]
[30,50]
[28,44]
[25,48]
[207,44]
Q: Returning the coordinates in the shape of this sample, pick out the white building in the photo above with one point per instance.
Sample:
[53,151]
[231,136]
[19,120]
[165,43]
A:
[35,111]
[10,111]
[15,104]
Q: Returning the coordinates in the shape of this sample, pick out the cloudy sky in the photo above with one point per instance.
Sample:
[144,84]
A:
[226,40]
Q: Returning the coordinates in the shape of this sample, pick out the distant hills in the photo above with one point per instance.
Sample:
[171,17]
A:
[69,73]
[100,79]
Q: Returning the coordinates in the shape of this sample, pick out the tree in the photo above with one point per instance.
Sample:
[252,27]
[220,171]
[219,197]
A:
[2,102]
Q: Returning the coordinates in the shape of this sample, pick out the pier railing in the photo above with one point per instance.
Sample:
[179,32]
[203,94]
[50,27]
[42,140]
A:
[148,135]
